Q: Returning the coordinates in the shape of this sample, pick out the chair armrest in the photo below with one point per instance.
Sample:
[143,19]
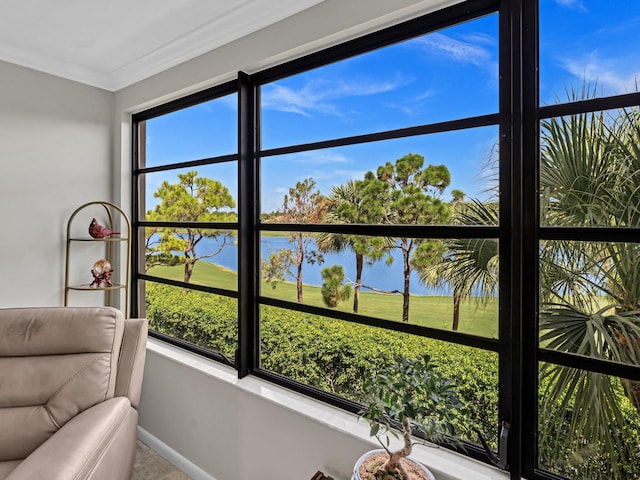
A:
[97,444]
[131,360]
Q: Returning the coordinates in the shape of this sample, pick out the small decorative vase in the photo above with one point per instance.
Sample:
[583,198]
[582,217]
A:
[421,471]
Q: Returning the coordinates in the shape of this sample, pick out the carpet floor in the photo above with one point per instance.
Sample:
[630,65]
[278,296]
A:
[151,466]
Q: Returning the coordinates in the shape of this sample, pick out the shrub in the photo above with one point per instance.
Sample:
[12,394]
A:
[328,354]
[206,320]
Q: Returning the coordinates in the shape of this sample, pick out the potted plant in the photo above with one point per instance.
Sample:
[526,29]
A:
[412,396]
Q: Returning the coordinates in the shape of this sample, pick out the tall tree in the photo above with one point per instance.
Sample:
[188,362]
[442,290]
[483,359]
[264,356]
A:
[405,193]
[191,199]
[346,205]
[304,204]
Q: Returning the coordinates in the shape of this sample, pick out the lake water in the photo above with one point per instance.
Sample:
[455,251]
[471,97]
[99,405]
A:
[379,275]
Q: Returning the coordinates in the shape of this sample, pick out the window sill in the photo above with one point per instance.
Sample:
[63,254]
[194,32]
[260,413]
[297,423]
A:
[445,465]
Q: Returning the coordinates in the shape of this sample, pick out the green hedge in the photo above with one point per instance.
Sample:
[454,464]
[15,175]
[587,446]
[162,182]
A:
[328,354]
[209,321]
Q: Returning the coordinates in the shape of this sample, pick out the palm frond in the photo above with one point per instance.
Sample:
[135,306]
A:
[469,265]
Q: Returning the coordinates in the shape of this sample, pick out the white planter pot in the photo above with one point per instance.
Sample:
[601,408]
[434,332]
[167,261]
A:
[356,475]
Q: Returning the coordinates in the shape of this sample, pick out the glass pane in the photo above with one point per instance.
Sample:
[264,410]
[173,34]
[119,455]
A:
[460,166]
[199,194]
[590,294]
[193,255]
[588,424]
[365,275]
[337,357]
[588,49]
[445,75]
[590,169]
[203,319]
[206,130]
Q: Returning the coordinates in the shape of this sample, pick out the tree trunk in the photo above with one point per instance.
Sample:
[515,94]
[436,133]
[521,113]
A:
[457,298]
[634,393]
[188,269]
[299,272]
[407,277]
[356,293]
[393,465]
[189,257]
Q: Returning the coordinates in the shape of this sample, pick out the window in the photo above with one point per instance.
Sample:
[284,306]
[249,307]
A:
[410,192]
[187,228]
[346,249]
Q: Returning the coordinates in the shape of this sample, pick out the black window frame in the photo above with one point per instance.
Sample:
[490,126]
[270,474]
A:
[138,207]
[519,232]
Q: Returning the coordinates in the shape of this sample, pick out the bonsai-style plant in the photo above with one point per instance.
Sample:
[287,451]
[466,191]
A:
[407,397]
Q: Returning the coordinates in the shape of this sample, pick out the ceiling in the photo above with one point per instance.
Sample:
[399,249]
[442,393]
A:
[112,44]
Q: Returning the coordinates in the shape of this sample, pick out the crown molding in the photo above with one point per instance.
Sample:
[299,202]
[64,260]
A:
[245,18]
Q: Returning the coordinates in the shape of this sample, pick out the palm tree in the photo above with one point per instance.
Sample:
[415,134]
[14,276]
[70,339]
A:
[469,265]
[589,292]
[346,206]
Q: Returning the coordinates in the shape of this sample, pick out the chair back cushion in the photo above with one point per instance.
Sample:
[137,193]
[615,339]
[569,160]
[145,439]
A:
[54,363]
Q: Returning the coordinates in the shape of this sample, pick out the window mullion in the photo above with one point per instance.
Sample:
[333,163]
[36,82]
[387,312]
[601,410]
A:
[530,235]
[512,271]
[248,338]
[138,132]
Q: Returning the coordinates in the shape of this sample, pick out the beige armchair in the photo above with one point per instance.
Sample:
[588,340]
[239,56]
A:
[70,382]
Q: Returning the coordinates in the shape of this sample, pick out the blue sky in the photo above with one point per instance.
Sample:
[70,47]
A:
[449,74]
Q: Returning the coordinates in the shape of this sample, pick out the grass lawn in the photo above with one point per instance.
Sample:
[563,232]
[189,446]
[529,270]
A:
[430,311]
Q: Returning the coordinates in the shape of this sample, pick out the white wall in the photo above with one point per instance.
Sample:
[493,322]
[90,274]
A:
[55,154]
[231,432]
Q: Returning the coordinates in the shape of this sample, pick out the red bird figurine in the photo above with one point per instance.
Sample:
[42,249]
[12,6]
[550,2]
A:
[98,231]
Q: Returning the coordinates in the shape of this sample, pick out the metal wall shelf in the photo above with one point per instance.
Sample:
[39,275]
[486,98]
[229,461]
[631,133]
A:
[110,253]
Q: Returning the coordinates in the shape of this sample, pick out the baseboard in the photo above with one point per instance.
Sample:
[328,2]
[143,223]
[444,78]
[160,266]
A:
[172,456]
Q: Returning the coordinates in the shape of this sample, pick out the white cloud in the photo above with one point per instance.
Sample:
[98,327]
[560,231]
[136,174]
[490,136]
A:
[424,95]
[287,100]
[608,74]
[573,4]
[317,96]
[457,50]
[406,109]
[479,38]
[320,157]
[415,104]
